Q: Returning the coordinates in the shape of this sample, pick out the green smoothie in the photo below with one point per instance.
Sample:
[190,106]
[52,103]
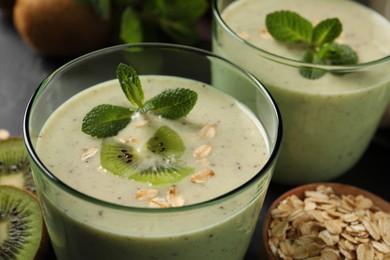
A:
[329,121]
[182,230]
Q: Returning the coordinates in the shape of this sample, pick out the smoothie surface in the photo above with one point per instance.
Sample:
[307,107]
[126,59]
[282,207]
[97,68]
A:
[328,122]
[238,148]
[360,25]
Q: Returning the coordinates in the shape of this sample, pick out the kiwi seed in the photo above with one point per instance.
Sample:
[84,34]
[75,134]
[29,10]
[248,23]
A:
[118,158]
[23,233]
[14,164]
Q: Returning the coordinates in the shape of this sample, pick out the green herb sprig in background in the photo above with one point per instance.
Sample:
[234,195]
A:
[153,20]
[107,120]
[290,27]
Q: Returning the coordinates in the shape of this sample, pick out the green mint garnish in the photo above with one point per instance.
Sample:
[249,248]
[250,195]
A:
[130,84]
[172,103]
[107,120]
[290,27]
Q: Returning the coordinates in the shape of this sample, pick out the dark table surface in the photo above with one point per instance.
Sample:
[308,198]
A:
[22,70]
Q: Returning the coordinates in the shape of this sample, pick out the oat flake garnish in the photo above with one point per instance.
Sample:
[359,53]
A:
[174,197]
[158,202]
[327,226]
[202,176]
[243,35]
[202,151]
[141,123]
[129,140]
[88,154]
[146,194]
[265,34]
[208,131]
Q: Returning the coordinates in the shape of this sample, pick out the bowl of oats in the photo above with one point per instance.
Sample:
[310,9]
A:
[327,221]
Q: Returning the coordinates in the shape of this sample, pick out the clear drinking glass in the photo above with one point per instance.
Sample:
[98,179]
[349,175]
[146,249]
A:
[83,227]
[328,122]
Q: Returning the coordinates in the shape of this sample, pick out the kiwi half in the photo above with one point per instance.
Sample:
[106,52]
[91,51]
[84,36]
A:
[157,164]
[23,233]
[14,164]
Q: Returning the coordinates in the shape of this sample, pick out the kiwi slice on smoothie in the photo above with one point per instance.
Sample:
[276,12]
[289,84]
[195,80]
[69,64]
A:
[23,233]
[166,142]
[14,164]
[157,164]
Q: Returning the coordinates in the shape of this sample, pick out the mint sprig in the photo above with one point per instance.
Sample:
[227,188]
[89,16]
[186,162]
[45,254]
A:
[107,120]
[290,27]
[152,20]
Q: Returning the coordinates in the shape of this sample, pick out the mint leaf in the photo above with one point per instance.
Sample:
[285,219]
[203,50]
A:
[309,72]
[130,84]
[326,31]
[289,27]
[130,27]
[172,103]
[106,120]
[339,54]
[176,18]
[175,10]
[183,32]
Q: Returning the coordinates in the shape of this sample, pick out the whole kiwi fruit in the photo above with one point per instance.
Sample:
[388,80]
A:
[60,27]
[23,233]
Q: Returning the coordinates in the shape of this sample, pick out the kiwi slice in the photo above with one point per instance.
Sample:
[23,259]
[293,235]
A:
[14,164]
[23,233]
[156,165]
[166,142]
[119,158]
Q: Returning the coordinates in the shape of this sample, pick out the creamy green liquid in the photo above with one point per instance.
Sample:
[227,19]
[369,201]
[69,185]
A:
[330,121]
[81,230]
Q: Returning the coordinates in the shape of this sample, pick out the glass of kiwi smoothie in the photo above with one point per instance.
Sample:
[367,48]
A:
[326,63]
[148,151]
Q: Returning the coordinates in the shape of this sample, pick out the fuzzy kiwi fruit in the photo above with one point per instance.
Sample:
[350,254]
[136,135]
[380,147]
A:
[14,164]
[23,234]
[60,27]
[157,164]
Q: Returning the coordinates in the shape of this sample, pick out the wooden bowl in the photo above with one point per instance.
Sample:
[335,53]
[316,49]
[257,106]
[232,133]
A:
[338,189]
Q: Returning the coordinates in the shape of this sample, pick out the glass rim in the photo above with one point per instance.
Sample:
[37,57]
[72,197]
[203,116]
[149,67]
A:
[90,199]
[288,61]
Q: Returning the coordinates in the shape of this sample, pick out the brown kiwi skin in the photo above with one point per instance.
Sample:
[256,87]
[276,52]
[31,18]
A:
[45,240]
[61,28]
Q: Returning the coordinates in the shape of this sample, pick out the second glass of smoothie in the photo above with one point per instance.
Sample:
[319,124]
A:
[330,121]
[93,214]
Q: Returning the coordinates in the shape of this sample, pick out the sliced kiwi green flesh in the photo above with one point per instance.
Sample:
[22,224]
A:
[22,230]
[166,142]
[14,164]
[156,165]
